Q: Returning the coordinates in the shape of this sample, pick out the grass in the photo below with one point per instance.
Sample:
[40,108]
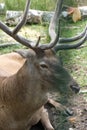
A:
[70,2]
[19,4]
[75,60]
[43,4]
[35,4]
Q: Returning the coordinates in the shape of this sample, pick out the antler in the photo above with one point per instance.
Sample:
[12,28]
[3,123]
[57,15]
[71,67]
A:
[28,43]
[55,40]
[23,21]
[13,33]
[52,33]
[55,37]
[82,36]
[72,39]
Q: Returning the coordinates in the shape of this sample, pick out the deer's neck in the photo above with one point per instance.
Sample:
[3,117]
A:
[22,91]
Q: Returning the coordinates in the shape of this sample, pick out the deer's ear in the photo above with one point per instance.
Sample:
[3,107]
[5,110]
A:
[25,53]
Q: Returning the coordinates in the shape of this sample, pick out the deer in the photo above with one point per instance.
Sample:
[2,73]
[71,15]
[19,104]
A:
[28,76]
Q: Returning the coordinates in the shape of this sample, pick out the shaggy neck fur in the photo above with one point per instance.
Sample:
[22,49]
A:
[21,94]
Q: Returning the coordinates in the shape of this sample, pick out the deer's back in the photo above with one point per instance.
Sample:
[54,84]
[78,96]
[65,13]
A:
[10,63]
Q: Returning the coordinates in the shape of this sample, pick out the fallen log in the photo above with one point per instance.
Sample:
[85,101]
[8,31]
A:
[34,17]
[37,16]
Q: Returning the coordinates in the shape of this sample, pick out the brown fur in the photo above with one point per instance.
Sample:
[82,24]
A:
[11,63]
[24,86]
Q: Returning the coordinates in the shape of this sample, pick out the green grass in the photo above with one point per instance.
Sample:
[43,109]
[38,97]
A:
[43,4]
[48,5]
[15,4]
[75,60]
[70,2]
[35,4]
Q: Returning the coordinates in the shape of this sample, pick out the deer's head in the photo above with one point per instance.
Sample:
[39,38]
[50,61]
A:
[41,59]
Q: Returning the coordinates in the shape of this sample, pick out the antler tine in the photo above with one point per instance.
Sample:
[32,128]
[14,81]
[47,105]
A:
[18,38]
[54,20]
[38,40]
[71,46]
[72,39]
[24,18]
[54,37]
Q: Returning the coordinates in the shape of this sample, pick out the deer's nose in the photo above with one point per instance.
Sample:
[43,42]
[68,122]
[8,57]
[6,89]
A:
[74,88]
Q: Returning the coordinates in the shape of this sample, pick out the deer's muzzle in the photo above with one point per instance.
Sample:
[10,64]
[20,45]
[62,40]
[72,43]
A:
[74,88]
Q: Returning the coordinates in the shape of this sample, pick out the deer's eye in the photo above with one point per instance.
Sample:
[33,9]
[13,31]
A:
[43,65]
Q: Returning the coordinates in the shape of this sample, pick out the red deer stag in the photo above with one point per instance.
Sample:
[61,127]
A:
[26,77]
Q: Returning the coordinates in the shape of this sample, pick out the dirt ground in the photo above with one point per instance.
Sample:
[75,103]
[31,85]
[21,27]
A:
[63,121]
